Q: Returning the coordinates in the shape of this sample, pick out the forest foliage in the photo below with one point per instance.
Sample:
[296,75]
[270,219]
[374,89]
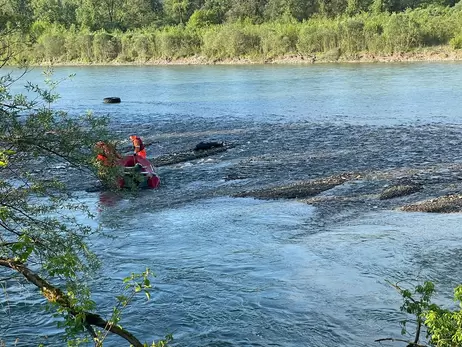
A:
[126,31]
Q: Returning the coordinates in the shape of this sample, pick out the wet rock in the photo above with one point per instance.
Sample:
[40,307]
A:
[399,190]
[299,190]
[233,176]
[208,145]
[112,100]
[445,204]
[180,157]
[95,188]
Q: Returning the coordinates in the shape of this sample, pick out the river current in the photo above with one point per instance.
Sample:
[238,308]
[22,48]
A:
[248,272]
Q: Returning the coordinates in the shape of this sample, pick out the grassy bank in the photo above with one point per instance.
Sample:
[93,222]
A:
[432,33]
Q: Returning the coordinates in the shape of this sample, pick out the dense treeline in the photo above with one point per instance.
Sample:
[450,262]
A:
[144,30]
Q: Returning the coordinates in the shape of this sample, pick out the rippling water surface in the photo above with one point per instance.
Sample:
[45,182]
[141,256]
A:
[246,272]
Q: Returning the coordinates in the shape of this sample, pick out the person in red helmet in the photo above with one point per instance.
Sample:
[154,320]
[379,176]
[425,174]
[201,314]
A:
[138,146]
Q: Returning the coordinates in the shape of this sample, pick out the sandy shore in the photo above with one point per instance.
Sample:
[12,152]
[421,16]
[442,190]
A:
[437,53]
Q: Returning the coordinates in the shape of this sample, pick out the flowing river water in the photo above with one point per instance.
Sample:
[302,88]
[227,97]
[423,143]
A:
[233,270]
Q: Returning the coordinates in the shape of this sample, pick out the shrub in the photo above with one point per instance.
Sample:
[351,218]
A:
[146,45]
[177,42]
[402,33]
[373,34]
[106,47]
[318,35]
[203,18]
[456,42]
[351,34]
[436,26]
[278,39]
[128,53]
[85,43]
[231,41]
[53,46]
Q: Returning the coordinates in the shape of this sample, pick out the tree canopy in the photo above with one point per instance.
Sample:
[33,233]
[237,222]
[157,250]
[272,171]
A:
[130,14]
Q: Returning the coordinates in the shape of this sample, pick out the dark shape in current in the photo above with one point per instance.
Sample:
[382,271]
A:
[184,156]
[208,145]
[112,100]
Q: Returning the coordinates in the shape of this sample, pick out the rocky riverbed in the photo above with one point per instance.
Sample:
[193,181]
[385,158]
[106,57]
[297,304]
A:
[339,168]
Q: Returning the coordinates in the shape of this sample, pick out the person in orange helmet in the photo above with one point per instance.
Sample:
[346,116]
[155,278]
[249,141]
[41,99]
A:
[138,146]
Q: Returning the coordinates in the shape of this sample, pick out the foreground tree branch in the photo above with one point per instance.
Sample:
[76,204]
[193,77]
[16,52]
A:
[56,295]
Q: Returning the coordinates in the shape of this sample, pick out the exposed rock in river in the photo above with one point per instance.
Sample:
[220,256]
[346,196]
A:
[444,204]
[180,157]
[399,190]
[340,169]
[300,190]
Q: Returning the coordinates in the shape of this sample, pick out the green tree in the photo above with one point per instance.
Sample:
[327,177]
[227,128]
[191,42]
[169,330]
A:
[246,9]
[41,239]
[218,7]
[54,11]
[140,13]
[16,11]
[443,326]
[178,11]
[332,8]
[298,9]
[203,18]
[117,14]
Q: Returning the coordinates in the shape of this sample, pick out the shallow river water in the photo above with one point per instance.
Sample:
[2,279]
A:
[248,272]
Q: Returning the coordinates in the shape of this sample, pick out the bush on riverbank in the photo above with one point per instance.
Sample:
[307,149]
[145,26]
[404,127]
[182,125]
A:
[328,39]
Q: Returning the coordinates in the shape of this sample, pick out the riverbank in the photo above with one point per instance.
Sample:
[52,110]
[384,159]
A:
[437,53]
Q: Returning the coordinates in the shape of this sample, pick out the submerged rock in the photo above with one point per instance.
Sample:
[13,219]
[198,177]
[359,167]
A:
[208,145]
[181,157]
[299,190]
[399,190]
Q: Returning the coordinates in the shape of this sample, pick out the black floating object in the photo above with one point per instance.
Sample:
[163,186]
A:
[112,100]
[208,145]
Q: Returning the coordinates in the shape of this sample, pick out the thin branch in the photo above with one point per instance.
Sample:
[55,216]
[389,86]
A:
[417,333]
[7,228]
[59,155]
[400,290]
[55,295]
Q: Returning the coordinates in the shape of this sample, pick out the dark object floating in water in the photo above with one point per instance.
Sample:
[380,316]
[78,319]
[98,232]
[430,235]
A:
[112,100]
[208,145]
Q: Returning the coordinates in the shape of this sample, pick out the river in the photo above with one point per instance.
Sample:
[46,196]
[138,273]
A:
[248,272]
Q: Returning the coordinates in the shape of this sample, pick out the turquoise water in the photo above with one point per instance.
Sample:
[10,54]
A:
[246,272]
[380,94]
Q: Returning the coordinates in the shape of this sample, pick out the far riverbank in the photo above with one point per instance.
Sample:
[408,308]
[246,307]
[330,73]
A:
[440,53]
